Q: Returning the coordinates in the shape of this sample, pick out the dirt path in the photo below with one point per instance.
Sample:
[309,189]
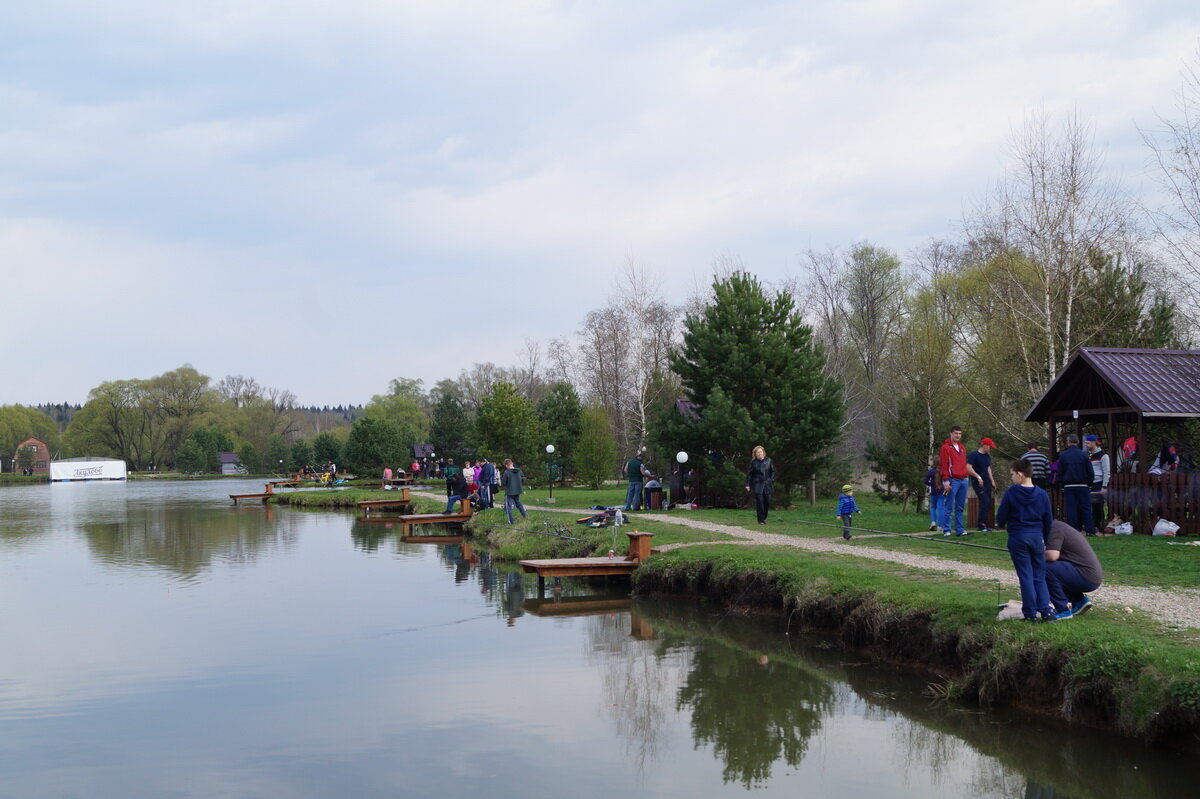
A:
[1177,608]
[1173,607]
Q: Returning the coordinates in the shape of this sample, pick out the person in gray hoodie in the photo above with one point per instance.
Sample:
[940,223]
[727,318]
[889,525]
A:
[512,480]
[1025,513]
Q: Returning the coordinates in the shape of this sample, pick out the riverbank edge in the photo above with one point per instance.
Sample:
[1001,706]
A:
[1148,693]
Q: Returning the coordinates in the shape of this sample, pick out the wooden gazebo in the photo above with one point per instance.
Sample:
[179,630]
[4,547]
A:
[1120,393]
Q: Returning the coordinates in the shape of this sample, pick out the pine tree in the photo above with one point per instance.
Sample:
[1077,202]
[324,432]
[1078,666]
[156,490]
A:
[756,376]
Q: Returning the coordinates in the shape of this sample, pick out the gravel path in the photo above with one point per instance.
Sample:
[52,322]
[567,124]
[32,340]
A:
[1173,607]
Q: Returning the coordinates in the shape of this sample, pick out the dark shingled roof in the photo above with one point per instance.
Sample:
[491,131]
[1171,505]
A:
[1162,383]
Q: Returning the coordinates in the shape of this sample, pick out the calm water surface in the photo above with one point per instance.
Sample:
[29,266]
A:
[159,642]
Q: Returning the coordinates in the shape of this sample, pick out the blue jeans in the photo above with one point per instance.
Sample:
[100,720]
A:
[984,494]
[936,500]
[954,503]
[634,495]
[513,501]
[1077,503]
[1066,584]
[451,501]
[1028,553]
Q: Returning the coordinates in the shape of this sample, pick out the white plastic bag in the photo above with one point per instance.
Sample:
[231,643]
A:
[1124,528]
[1164,527]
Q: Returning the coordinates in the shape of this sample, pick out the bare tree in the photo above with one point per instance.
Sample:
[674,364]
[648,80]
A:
[1042,226]
[623,349]
[1175,154]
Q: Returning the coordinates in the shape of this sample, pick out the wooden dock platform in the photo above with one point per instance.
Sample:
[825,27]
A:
[639,550]
[403,498]
[409,520]
[267,493]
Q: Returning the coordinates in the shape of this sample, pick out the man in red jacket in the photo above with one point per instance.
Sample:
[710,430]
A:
[952,460]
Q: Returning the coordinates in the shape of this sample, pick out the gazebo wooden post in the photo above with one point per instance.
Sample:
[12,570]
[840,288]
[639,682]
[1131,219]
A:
[1143,467]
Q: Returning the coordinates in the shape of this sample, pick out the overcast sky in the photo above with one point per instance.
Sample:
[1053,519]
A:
[324,196]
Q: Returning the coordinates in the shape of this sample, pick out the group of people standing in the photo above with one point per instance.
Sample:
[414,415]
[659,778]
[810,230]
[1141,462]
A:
[1083,474]
[1055,565]
[481,481]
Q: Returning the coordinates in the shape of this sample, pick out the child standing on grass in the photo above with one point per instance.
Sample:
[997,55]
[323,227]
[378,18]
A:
[1025,512]
[846,508]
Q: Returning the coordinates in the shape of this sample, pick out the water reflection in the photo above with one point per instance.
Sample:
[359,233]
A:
[759,698]
[311,655]
[186,541]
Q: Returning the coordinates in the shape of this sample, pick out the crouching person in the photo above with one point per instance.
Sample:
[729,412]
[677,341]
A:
[1072,570]
[1025,512]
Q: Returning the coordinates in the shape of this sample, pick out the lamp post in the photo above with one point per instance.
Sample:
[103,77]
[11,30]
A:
[681,458]
[550,470]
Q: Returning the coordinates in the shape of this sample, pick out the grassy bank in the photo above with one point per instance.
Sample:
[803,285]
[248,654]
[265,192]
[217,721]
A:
[1105,669]
[548,535]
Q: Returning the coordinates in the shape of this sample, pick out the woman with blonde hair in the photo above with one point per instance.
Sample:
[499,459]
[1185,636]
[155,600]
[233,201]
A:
[760,480]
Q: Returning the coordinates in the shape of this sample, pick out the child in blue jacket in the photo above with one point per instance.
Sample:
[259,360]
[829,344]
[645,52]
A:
[847,507]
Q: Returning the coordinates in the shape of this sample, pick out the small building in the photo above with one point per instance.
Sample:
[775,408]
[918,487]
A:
[231,463]
[34,455]
[1133,396]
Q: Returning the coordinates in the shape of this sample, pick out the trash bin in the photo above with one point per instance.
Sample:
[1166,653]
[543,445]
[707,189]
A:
[653,498]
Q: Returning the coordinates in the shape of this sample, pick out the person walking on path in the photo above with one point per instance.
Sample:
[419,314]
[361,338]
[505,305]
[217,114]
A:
[1072,570]
[952,463]
[760,481]
[1075,475]
[979,467]
[1101,473]
[636,473]
[387,476]
[513,482]
[1025,513]
[847,507]
[1040,464]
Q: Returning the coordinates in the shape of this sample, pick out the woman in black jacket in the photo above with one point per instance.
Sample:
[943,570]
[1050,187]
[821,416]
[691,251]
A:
[760,480]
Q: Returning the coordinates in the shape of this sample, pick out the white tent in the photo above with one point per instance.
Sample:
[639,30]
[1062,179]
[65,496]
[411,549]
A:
[87,469]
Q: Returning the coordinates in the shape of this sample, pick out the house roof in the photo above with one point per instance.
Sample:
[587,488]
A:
[228,457]
[1139,382]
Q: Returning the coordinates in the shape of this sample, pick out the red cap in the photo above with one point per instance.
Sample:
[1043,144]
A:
[987,442]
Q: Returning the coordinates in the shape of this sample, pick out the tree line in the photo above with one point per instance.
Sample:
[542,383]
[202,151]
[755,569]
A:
[863,358]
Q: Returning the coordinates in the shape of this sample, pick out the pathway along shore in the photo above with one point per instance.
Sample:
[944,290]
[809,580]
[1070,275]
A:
[1177,608]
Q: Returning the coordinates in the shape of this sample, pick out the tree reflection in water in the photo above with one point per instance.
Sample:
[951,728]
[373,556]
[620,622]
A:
[753,711]
[187,540]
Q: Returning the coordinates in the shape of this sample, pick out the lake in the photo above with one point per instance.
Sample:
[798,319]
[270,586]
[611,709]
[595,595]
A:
[160,642]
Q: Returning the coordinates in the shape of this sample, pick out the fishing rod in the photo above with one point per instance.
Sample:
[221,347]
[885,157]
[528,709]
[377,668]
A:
[554,534]
[918,536]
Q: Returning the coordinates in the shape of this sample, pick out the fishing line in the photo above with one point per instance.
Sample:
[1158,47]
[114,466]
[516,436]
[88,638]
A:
[917,536]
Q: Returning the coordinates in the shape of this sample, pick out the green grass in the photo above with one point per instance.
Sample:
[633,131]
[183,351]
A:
[1146,680]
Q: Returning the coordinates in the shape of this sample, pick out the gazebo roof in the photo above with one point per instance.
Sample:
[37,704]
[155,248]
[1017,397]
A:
[1102,380]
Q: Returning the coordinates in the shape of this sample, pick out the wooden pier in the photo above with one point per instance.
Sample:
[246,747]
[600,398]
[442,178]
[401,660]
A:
[409,520]
[404,499]
[639,550]
[267,493]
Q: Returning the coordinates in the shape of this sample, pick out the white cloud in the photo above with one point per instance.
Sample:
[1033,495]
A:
[373,167]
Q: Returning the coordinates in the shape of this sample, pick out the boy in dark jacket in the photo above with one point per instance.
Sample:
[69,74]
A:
[1025,512]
